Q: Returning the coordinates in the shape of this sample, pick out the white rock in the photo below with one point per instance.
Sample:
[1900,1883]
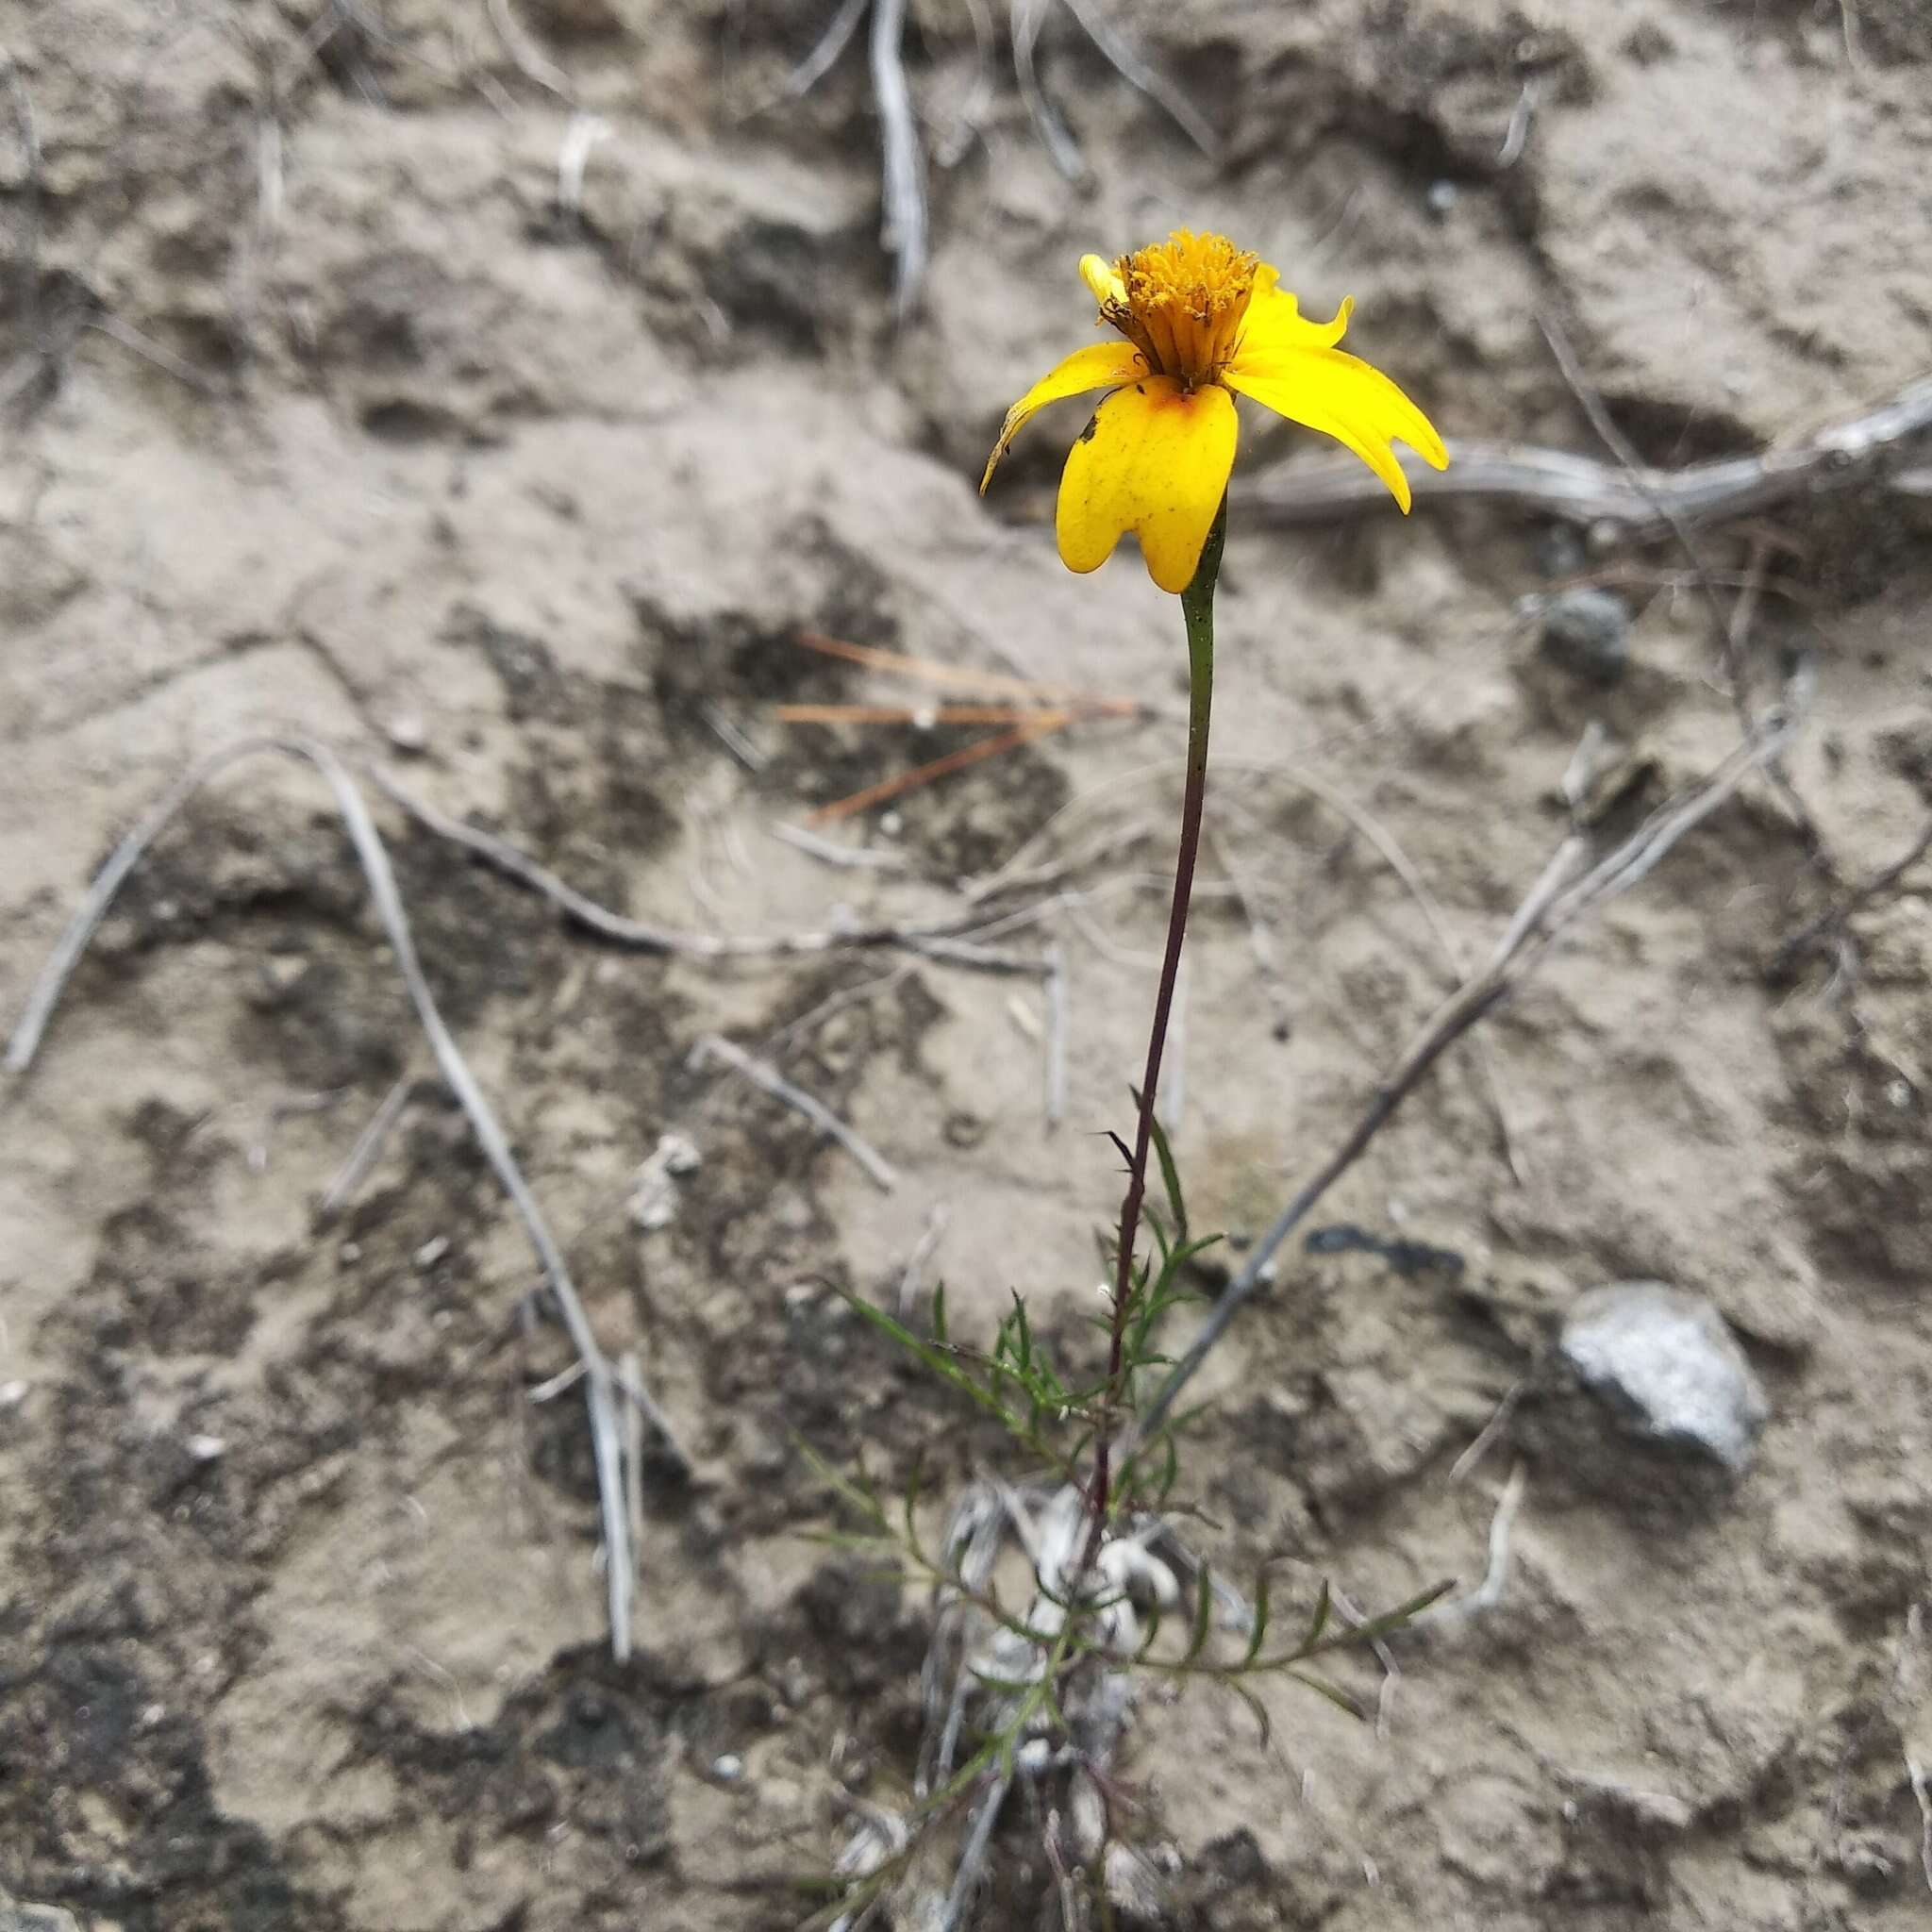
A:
[1666,1364]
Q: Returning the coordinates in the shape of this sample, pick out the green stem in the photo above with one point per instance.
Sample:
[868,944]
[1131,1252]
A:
[1197,610]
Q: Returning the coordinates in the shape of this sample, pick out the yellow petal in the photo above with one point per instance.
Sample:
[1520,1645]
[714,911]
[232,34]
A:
[1275,326]
[1098,365]
[1154,460]
[1341,396]
[1100,276]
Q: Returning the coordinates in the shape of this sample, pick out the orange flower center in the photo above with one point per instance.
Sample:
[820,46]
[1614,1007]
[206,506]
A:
[1184,301]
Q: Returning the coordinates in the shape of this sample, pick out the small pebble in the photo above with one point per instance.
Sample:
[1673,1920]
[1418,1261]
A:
[729,1769]
[1560,551]
[1442,197]
[206,1448]
[11,1395]
[1587,632]
[407,733]
[432,1251]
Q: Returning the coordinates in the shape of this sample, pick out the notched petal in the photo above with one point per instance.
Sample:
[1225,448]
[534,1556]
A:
[1155,460]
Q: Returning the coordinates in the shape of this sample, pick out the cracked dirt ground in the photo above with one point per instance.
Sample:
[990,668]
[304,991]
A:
[324,417]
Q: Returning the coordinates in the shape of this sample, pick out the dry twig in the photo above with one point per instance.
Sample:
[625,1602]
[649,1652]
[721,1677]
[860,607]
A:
[1833,919]
[363,1154]
[904,234]
[1144,78]
[1872,448]
[769,1080]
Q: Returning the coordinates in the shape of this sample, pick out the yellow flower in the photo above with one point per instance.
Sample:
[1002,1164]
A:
[1203,322]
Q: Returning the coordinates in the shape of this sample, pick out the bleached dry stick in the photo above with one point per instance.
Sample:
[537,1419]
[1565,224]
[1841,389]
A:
[1860,450]
[363,1156]
[530,61]
[950,148]
[769,1080]
[1028,17]
[1488,1593]
[825,55]
[1834,917]
[905,231]
[606,1439]
[642,935]
[1142,78]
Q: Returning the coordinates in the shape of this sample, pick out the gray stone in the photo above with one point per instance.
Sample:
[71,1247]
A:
[1665,1363]
[1587,632]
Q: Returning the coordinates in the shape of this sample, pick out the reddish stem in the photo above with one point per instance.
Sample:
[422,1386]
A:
[1197,609]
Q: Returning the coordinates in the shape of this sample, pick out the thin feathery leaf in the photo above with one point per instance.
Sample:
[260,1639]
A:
[1258,1711]
[1258,1635]
[1340,1699]
[1169,1180]
[1204,1617]
[1366,1633]
[1318,1623]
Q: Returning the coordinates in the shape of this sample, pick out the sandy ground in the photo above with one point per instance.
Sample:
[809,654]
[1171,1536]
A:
[329,420]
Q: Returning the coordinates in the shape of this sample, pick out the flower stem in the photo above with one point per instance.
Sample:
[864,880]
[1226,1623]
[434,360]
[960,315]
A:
[1197,611]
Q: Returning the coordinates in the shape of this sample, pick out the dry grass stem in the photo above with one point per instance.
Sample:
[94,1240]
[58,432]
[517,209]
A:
[365,1153]
[769,1080]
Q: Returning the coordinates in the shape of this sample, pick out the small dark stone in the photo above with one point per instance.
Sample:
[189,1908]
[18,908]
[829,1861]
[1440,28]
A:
[1588,633]
[1236,1859]
[1559,550]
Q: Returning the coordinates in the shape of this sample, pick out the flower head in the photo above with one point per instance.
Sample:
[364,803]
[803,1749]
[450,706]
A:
[1201,323]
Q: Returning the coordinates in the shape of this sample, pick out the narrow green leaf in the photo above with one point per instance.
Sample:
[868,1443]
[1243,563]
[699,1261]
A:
[1145,1647]
[1380,1626]
[939,1361]
[1171,1180]
[910,1504]
[1257,1710]
[1014,1686]
[1257,1636]
[1204,1618]
[1324,1604]
[856,1495]
[1169,1472]
[1024,1329]
[938,1314]
[1336,1695]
